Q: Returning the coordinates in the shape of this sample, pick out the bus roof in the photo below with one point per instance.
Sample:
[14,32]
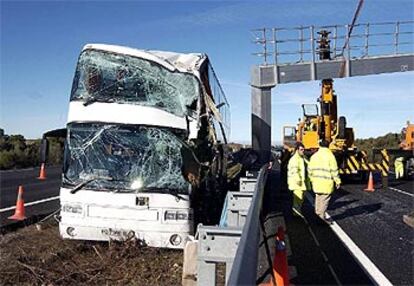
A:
[173,61]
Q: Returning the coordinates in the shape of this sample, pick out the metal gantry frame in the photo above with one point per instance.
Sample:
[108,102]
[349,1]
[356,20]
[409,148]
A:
[293,55]
[236,243]
[370,39]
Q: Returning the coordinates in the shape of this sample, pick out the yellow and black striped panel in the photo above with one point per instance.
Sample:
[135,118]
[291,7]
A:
[385,160]
[354,165]
[345,171]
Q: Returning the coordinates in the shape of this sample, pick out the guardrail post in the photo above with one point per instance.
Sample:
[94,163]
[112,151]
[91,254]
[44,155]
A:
[312,42]
[247,184]
[397,32]
[216,245]
[237,208]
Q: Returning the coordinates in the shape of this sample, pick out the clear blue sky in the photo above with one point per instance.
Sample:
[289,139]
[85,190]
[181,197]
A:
[40,43]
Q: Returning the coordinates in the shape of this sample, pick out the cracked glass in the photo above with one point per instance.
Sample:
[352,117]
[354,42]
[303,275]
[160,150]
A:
[109,77]
[125,158]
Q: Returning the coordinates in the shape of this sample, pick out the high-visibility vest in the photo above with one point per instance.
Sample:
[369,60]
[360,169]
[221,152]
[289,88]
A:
[323,171]
[399,167]
[297,173]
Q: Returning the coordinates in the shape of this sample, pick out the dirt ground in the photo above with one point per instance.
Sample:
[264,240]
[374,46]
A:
[30,256]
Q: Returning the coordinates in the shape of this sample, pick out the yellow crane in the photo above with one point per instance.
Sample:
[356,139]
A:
[322,122]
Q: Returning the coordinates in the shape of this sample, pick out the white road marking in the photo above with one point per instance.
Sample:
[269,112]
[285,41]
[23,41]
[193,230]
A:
[325,258]
[369,267]
[31,203]
[17,170]
[401,191]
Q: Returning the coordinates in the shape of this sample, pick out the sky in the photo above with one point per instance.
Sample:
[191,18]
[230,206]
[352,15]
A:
[40,42]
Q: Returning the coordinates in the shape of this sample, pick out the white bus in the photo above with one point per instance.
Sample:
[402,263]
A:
[144,132]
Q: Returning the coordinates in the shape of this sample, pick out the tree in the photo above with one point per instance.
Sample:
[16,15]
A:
[388,141]
[17,152]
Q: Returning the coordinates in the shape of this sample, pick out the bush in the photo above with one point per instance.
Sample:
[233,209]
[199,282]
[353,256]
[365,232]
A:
[6,160]
[388,141]
[17,152]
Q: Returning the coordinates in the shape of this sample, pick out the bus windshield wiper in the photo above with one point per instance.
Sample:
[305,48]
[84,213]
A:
[81,185]
[91,100]
[84,183]
[173,192]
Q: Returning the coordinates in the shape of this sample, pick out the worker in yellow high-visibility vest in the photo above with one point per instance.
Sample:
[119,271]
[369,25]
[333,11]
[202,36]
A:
[399,167]
[298,181]
[323,173]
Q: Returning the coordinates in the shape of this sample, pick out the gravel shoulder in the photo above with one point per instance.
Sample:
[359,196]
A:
[38,256]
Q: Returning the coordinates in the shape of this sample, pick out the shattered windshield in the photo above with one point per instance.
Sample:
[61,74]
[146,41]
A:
[108,77]
[124,158]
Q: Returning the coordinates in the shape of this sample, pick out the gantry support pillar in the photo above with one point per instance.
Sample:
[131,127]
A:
[262,82]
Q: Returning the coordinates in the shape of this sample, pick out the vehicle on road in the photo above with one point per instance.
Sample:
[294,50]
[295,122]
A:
[322,122]
[405,152]
[144,145]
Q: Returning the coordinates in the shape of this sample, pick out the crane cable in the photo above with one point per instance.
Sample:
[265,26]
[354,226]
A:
[351,27]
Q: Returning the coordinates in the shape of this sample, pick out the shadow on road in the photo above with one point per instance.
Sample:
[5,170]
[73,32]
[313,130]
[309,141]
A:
[365,209]
[338,205]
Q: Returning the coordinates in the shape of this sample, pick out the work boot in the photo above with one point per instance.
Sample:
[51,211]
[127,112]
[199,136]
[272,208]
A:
[325,221]
[328,220]
[409,219]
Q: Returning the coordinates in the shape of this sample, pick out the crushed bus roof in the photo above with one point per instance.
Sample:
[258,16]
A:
[173,61]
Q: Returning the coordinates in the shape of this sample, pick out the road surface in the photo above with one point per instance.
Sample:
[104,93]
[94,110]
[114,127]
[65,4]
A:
[373,220]
[34,190]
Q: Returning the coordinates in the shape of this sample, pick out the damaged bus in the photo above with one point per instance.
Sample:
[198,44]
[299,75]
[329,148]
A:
[144,140]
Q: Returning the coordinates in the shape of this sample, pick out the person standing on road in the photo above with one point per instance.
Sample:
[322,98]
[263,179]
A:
[323,173]
[298,181]
[399,167]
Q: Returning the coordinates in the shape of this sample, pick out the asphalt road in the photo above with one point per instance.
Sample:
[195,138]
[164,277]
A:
[316,256]
[373,220]
[34,190]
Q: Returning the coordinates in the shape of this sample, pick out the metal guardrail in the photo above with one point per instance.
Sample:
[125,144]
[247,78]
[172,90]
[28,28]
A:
[300,44]
[237,208]
[216,246]
[244,268]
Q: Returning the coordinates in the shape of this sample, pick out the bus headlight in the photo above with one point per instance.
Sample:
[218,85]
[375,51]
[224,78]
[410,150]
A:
[182,216]
[170,215]
[72,208]
[177,215]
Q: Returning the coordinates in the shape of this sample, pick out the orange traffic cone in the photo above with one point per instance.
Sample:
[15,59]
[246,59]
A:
[280,263]
[42,175]
[19,213]
[370,187]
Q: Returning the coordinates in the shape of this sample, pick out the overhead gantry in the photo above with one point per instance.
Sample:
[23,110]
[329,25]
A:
[299,54]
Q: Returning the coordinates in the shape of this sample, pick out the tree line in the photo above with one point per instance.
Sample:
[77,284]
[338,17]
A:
[17,152]
[387,141]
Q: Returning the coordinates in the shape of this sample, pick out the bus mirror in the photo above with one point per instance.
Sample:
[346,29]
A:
[44,150]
